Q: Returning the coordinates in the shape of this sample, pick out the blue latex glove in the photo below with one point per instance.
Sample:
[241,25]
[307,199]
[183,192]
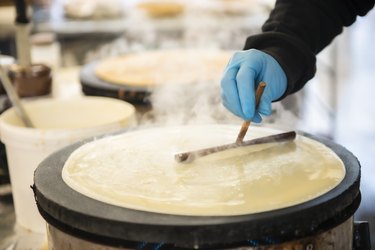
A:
[245,70]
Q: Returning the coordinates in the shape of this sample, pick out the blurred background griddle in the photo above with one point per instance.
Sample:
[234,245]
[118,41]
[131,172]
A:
[94,86]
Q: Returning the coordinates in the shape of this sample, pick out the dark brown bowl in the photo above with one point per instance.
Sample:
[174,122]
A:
[34,80]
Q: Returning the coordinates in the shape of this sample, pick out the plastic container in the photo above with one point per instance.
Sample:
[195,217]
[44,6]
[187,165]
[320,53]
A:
[57,123]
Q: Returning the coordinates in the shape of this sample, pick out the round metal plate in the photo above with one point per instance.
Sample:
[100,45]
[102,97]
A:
[77,214]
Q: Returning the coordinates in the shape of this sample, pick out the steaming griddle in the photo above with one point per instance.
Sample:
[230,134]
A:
[76,214]
[133,77]
[94,86]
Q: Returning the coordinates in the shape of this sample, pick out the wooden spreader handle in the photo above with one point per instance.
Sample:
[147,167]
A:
[246,124]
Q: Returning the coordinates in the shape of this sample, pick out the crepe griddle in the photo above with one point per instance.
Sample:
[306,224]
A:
[100,222]
[94,86]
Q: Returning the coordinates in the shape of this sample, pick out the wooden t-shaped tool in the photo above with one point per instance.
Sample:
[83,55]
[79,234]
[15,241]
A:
[246,124]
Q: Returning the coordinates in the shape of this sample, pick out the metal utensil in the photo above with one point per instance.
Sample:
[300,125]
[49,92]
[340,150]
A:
[23,27]
[20,111]
[192,155]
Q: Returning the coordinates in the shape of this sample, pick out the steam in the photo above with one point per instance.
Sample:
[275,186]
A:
[284,116]
[177,104]
[200,103]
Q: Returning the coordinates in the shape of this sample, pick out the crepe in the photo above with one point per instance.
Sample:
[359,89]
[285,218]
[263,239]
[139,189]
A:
[137,170]
[93,9]
[153,68]
[159,9]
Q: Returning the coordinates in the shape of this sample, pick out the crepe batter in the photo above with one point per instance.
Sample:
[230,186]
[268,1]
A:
[153,68]
[137,170]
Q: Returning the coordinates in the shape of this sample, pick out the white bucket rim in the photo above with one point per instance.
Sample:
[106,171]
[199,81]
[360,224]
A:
[49,135]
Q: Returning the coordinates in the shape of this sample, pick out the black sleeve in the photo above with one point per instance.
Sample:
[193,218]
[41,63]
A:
[297,30]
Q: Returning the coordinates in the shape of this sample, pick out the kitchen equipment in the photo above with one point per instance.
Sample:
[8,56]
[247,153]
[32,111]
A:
[14,98]
[5,62]
[134,76]
[22,34]
[278,138]
[93,86]
[80,222]
[58,122]
[31,81]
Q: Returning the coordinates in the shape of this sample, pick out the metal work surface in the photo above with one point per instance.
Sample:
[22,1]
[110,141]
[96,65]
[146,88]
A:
[338,238]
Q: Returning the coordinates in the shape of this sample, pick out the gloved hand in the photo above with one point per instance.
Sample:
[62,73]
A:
[245,70]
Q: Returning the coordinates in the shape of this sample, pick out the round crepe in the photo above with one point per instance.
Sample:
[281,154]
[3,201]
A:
[152,68]
[163,8]
[137,170]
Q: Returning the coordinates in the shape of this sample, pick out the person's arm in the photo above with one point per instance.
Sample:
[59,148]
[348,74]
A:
[297,30]
[284,54]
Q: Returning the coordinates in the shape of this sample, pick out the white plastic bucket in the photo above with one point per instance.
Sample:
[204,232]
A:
[58,123]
